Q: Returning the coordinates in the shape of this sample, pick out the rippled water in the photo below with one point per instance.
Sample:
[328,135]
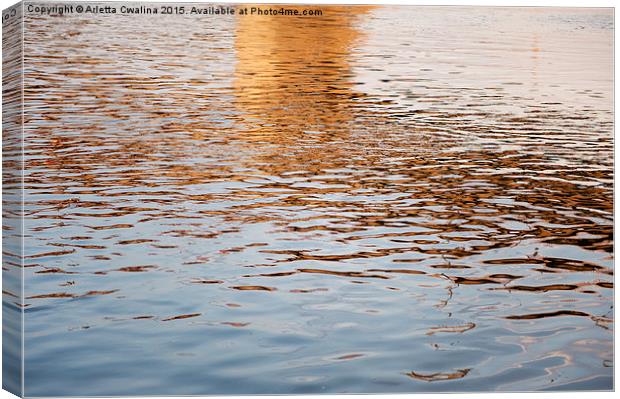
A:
[381,199]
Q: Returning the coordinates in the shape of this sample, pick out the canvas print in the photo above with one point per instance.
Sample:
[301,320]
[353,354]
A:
[208,199]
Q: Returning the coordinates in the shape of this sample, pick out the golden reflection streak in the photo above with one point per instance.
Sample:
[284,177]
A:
[293,75]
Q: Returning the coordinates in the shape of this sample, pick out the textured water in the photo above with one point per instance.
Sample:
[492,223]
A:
[380,199]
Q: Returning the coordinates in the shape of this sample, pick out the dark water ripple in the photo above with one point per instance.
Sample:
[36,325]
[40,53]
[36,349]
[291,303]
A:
[383,199]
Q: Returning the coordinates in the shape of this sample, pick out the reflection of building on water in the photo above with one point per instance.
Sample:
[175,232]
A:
[293,74]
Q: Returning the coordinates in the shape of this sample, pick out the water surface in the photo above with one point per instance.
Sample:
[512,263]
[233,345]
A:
[380,199]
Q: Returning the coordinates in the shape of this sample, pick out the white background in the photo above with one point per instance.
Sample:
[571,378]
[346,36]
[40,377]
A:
[559,3]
